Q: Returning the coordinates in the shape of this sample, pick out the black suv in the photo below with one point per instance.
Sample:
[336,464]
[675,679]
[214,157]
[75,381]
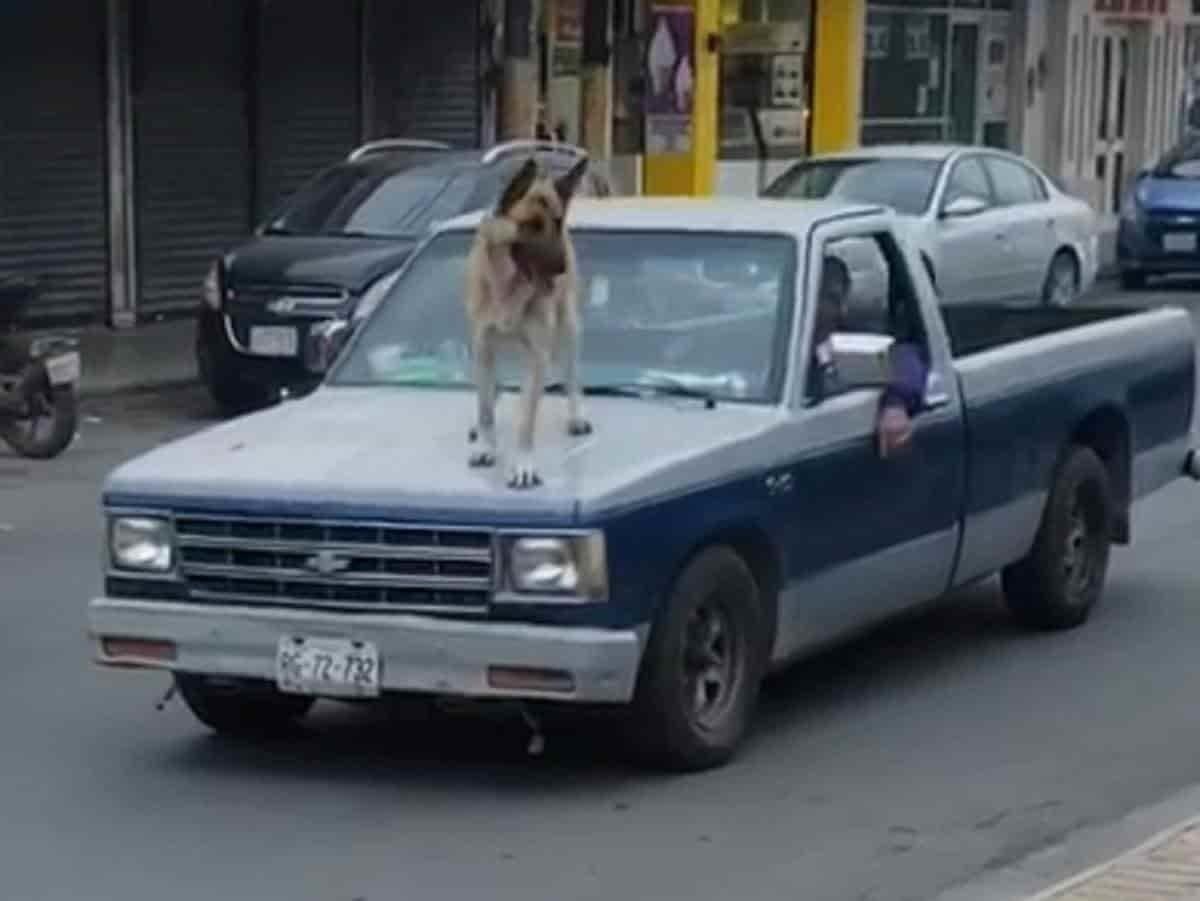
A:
[327,244]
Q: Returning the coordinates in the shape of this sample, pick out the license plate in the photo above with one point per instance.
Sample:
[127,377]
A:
[327,667]
[64,368]
[1179,243]
[274,340]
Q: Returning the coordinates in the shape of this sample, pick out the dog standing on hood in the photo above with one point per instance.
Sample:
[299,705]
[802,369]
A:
[522,287]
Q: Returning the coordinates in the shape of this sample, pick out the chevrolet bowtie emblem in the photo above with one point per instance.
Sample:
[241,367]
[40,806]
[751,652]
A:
[327,563]
[282,305]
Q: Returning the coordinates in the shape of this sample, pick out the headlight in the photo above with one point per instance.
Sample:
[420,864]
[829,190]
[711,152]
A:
[570,567]
[141,543]
[373,295]
[212,287]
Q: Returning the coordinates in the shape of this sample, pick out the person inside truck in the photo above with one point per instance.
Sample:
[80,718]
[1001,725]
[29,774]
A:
[902,397]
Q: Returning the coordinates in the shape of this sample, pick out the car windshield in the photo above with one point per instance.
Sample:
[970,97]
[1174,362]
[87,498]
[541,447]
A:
[693,312]
[372,201]
[905,185]
[1181,161]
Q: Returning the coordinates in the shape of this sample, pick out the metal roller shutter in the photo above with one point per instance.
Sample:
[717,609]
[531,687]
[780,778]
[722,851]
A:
[53,208]
[308,92]
[191,144]
[424,70]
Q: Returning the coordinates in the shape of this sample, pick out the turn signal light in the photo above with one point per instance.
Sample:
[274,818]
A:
[525,678]
[136,651]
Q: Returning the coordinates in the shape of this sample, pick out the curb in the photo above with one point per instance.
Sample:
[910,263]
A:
[1165,866]
[92,392]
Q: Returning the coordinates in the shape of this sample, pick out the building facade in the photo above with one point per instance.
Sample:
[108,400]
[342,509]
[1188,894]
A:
[1109,83]
[139,139]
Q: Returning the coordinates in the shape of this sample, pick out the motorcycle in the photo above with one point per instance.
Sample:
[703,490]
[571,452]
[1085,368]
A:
[39,408]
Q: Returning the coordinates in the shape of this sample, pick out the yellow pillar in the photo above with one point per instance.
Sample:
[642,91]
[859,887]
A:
[837,74]
[692,172]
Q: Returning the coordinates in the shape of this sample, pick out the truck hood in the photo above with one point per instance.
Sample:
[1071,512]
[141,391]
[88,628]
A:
[399,453]
[343,262]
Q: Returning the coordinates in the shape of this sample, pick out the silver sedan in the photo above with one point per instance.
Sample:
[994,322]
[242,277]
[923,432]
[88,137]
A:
[990,225]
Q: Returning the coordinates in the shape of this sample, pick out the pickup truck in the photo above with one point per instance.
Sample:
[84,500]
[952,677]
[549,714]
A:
[725,517]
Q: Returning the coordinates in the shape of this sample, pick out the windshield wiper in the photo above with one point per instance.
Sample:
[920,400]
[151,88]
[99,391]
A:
[641,389]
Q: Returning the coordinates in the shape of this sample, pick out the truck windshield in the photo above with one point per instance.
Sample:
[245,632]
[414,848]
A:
[906,185]
[701,311]
[370,201]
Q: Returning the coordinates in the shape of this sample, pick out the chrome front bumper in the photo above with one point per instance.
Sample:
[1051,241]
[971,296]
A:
[418,653]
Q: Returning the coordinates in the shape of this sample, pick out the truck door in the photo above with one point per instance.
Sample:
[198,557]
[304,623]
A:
[867,536]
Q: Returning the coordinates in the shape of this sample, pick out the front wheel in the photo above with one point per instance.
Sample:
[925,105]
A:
[703,666]
[1061,286]
[1056,585]
[240,710]
[50,417]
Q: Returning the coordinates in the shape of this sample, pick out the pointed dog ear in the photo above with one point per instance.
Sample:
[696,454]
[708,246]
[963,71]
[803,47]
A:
[518,187]
[566,185]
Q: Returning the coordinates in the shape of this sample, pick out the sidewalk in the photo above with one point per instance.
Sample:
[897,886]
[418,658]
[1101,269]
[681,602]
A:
[155,355]
[1166,867]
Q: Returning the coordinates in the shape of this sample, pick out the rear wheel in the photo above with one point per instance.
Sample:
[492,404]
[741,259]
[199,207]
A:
[241,709]
[1061,286]
[703,666]
[1056,585]
[52,416]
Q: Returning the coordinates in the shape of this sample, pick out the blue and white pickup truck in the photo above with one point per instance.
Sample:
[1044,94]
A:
[724,518]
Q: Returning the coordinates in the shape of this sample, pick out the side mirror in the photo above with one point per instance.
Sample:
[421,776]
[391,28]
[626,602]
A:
[324,342]
[862,359]
[963,206]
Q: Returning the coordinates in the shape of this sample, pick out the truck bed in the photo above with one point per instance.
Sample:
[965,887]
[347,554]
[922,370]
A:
[974,328]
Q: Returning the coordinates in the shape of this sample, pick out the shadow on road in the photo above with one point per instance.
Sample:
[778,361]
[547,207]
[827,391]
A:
[413,745]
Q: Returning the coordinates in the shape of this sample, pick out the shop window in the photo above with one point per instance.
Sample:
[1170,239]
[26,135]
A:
[905,73]
[764,78]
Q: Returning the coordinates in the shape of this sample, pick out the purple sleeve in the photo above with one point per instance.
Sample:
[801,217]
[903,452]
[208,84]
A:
[907,388]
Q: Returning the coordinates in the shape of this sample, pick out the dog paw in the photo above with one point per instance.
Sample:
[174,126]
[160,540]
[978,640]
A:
[579,426]
[482,458]
[523,476]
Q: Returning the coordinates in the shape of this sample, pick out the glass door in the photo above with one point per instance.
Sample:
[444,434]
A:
[1109,90]
[964,82]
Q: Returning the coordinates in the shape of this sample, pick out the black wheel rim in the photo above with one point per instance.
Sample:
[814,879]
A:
[1084,546]
[713,664]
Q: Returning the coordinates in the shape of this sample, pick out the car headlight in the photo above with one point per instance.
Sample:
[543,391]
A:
[212,287]
[141,543]
[565,568]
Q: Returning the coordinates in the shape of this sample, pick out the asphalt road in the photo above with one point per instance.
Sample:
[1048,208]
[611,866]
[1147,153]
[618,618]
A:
[901,764]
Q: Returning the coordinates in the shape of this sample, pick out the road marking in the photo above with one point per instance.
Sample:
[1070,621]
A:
[1165,867]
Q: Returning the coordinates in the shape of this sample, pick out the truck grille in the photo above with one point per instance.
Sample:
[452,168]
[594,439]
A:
[344,566]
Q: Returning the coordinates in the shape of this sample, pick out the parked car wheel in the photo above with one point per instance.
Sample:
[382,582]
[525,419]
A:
[1058,583]
[231,394]
[236,709]
[703,666]
[1061,286]
[1132,280]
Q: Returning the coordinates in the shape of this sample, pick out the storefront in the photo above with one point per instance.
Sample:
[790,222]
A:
[939,70]
[1120,96]
[143,138]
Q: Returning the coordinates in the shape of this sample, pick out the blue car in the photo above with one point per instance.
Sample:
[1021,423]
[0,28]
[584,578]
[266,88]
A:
[1160,219]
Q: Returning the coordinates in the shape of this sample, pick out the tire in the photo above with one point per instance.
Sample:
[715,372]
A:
[52,429]
[1132,280]
[232,395]
[1061,286]
[1061,579]
[239,710]
[715,608]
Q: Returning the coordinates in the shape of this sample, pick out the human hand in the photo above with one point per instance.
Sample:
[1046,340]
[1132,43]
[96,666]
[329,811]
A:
[894,430]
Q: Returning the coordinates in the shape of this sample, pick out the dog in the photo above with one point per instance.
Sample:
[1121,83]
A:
[522,287]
